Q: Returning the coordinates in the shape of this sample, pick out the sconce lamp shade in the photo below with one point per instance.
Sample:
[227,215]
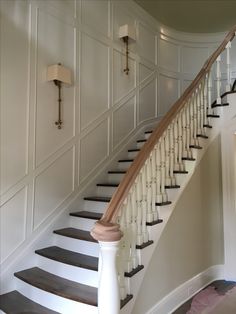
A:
[127,31]
[57,72]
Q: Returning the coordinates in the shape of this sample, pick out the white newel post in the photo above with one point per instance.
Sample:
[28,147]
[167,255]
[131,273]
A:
[108,235]
[108,288]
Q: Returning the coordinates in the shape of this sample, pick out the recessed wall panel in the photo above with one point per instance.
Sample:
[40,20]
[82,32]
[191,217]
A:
[14,92]
[168,89]
[93,149]
[123,121]
[122,83]
[53,186]
[168,55]
[94,79]
[96,14]
[147,101]
[193,59]
[12,222]
[56,44]
[146,43]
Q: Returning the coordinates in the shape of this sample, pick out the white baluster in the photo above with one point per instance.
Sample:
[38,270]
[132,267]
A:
[149,189]
[167,158]
[228,86]
[188,128]
[180,141]
[139,210]
[172,152]
[195,126]
[144,202]
[205,102]
[176,146]
[218,80]
[184,130]
[163,170]
[154,184]
[210,85]
[134,227]
[158,173]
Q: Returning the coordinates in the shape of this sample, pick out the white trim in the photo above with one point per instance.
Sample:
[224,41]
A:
[187,290]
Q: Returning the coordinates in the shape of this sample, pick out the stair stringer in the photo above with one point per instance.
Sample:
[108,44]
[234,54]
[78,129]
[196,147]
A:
[226,114]
[24,257]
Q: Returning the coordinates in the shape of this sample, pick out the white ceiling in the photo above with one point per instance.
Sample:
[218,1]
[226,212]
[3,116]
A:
[197,16]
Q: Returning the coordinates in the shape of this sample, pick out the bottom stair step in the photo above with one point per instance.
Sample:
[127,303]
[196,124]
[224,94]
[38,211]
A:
[57,285]
[15,302]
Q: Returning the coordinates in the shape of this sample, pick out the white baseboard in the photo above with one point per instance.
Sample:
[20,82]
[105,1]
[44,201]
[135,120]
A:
[187,290]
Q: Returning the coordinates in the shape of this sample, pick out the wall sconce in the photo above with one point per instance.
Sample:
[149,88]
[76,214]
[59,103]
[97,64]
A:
[126,32]
[59,74]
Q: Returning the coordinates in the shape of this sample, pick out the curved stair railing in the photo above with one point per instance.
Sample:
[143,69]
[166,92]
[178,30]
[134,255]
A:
[136,201]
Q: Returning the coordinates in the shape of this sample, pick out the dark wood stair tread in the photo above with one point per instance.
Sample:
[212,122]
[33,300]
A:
[180,171]
[15,303]
[57,285]
[98,199]
[141,141]
[68,257]
[75,234]
[134,150]
[195,146]
[155,222]
[219,105]
[143,245]
[116,171]
[163,203]
[126,160]
[207,126]
[148,132]
[202,136]
[213,116]
[113,185]
[188,158]
[87,214]
[172,186]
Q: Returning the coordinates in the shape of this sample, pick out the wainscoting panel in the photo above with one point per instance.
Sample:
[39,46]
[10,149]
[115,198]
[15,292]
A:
[122,83]
[13,223]
[193,58]
[14,93]
[53,186]
[147,101]
[48,137]
[146,43]
[96,14]
[168,55]
[94,69]
[168,93]
[123,121]
[93,149]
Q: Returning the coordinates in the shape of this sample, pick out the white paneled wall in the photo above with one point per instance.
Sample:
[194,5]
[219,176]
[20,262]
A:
[43,168]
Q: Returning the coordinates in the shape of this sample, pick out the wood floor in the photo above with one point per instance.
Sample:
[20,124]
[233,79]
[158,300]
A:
[221,286]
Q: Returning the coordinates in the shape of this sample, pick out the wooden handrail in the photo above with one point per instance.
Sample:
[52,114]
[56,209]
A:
[123,189]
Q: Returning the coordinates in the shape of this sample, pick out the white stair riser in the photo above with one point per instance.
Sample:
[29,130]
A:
[82,223]
[115,177]
[140,144]
[147,135]
[84,247]
[98,207]
[52,301]
[81,275]
[124,165]
[132,155]
[105,190]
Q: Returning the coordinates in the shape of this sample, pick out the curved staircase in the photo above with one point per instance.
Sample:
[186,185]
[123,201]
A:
[65,279]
